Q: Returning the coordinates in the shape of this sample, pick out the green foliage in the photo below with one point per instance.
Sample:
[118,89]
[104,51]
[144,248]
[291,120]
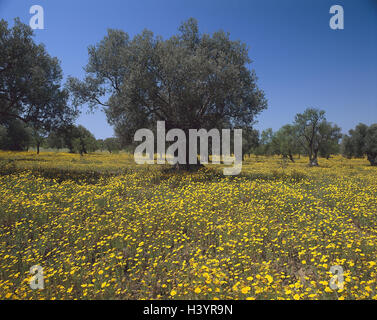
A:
[285,142]
[83,141]
[55,140]
[112,145]
[250,140]
[370,147]
[15,136]
[76,138]
[190,80]
[265,143]
[346,147]
[315,134]
[360,142]
[100,144]
[353,145]
[30,78]
[329,139]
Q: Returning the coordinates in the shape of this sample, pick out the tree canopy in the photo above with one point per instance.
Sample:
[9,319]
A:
[285,141]
[112,144]
[190,81]
[30,81]
[362,141]
[315,133]
[83,141]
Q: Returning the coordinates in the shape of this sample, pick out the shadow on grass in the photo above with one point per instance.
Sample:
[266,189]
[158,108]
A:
[200,174]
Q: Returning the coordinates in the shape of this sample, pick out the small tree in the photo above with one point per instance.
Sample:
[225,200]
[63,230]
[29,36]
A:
[39,137]
[370,147]
[330,135]
[83,141]
[112,145]
[347,148]
[286,142]
[362,141]
[357,140]
[77,139]
[55,140]
[250,140]
[100,144]
[314,132]
[265,146]
[16,136]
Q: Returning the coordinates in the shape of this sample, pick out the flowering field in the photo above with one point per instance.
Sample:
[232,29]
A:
[104,228]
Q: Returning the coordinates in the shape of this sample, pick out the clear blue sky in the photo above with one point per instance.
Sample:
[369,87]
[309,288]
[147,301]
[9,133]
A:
[299,60]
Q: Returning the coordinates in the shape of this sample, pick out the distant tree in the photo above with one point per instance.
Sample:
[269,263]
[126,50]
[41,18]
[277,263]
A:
[330,136]
[69,133]
[100,144]
[16,136]
[250,140]
[314,133]
[30,81]
[329,148]
[346,147]
[77,139]
[112,144]
[190,81]
[38,137]
[358,140]
[370,147]
[285,142]
[55,140]
[265,146]
[83,141]
[362,141]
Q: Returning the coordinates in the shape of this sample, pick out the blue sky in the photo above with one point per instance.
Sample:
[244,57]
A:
[299,60]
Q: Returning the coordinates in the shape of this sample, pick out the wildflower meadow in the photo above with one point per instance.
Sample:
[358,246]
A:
[103,227]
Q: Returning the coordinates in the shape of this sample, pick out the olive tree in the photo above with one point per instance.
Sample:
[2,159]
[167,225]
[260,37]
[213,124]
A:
[315,133]
[362,141]
[286,142]
[370,147]
[30,81]
[190,81]
[112,144]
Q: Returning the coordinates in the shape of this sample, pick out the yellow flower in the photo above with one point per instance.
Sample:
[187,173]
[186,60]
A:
[197,290]
[173,293]
[245,290]
[269,279]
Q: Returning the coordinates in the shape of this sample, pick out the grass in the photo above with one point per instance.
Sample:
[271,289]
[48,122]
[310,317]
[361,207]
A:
[103,227]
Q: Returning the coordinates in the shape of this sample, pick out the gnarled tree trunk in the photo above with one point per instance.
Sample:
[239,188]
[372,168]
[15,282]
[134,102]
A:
[313,158]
